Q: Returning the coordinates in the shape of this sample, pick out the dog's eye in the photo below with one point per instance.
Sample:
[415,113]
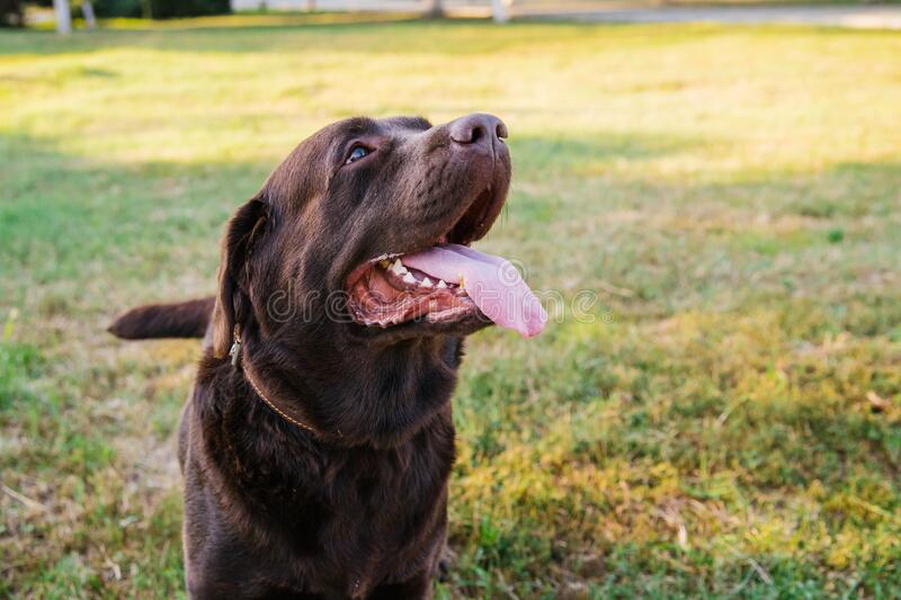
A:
[356,153]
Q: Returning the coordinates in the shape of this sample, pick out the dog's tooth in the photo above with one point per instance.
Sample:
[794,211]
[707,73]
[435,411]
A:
[384,263]
[426,282]
[441,284]
[408,278]
[398,268]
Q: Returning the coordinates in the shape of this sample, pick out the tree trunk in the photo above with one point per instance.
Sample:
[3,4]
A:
[433,9]
[499,11]
[63,16]
[88,10]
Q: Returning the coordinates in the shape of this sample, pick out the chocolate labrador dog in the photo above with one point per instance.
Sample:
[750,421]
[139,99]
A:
[318,441]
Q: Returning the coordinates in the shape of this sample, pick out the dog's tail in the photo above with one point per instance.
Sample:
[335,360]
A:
[180,320]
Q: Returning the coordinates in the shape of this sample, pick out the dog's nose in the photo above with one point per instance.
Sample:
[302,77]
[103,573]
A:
[478,128]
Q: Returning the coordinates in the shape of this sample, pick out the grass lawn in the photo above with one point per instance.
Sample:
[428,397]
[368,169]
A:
[719,416]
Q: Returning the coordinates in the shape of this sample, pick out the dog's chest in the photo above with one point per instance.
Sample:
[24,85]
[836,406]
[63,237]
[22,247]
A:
[369,515]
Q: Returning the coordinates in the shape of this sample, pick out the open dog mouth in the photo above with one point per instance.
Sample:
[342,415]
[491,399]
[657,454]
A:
[447,282]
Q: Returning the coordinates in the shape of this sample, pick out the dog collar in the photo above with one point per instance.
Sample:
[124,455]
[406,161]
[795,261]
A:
[236,359]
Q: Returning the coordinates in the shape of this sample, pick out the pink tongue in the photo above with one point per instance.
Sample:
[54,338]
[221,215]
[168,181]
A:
[491,281]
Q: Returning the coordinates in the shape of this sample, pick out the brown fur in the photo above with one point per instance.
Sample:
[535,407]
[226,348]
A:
[357,508]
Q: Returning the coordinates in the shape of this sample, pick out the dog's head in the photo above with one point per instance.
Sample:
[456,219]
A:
[317,248]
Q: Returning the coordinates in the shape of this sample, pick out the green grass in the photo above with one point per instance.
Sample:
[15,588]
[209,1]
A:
[722,421]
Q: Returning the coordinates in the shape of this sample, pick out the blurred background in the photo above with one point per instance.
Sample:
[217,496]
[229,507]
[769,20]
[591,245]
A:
[714,190]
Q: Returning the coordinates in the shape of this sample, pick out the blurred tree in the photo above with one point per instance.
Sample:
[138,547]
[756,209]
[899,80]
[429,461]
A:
[118,8]
[434,8]
[63,16]
[171,9]
[87,11]
[11,13]
[499,10]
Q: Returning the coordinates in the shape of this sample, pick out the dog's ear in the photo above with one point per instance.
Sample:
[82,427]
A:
[233,300]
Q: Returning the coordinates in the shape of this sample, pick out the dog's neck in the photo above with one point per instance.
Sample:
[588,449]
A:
[287,411]
[348,396]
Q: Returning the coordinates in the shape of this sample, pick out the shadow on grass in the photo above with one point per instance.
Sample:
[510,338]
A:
[65,219]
